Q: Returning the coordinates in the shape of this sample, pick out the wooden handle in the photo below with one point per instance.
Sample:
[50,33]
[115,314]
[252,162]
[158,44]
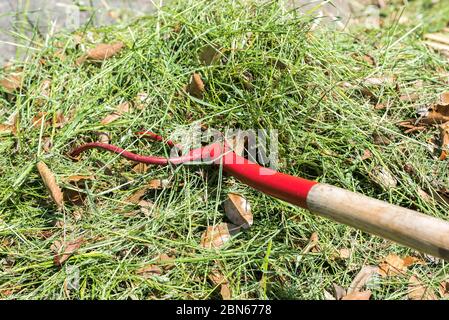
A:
[407,227]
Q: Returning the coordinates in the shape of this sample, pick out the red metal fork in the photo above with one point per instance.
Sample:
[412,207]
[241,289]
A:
[407,227]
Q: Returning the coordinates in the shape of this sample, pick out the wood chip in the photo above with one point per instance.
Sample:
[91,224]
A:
[50,182]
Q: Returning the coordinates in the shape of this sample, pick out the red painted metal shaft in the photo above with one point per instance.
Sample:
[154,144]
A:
[282,186]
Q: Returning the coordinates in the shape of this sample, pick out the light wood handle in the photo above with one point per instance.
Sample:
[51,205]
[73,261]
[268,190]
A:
[407,227]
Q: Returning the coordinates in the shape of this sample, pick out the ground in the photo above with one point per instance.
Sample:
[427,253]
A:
[335,96]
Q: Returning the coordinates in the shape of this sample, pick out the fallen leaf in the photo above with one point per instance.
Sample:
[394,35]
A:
[444,128]
[196,86]
[217,236]
[136,196]
[44,92]
[394,265]
[383,178]
[438,37]
[158,184]
[39,120]
[313,245]
[209,55]
[238,210]
[379,81]
[103,137]
[417,290]
[46,144]
[6,128]
[101,52]
[146,207]
[362,278]
[78,178]
[140,100]
[339,291]
[11,82]
[362,295]
[149,271]
[413,97]
[344,253]
[444,289]
[166,261]
[328,296]
[65,250]
[219,279]
[50,182]
[74,197]
[140,168]
[120,110]
[366,155]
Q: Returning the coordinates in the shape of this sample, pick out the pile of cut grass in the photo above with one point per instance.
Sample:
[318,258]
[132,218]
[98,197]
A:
[275,73]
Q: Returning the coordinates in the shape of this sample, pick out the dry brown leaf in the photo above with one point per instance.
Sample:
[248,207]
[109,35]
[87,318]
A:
[418,291]
[379,81]
[437,37]
[413,97]
[140,100]
[344,253]
[313,244]
[217,236]
[7,128]
[146,207]
[44,92]
[167,262]
[120,110]
[196,86]
[39,120]
[444,289]
[78,178]
[218,279]
[50,182]
[366,155]
[158,184]
[136,196]
[444,128]
[238,210]
[11,82]
[362,278]
[383,178]
[103,137]
[361,295]
[394,265]
[65,250]
[209,55]
[339,291]
[101,52]
[74,197]
[149,271]
[140,168]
